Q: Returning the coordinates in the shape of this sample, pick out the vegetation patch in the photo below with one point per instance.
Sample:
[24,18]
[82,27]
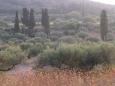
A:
[79,55]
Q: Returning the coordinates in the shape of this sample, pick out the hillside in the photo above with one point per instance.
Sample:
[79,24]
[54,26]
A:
[7,6]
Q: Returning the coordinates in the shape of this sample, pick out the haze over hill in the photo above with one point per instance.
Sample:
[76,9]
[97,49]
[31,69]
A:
[112,2]
[64,5]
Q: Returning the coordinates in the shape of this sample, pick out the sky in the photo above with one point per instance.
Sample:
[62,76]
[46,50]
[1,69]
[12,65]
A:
[112,2]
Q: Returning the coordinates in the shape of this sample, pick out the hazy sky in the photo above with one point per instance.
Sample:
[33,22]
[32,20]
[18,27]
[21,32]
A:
[106,1]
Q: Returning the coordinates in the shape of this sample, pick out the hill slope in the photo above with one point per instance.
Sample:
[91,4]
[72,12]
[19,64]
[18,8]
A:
[65,5]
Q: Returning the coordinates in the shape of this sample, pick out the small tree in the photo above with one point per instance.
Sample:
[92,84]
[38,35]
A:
[25,17]
[45,21]
[16,25]
[104,25]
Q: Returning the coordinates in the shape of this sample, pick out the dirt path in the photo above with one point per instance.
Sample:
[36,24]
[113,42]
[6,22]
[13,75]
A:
[21,68]
[25,66]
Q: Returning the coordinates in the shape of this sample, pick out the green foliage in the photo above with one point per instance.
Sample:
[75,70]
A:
[25,17]
[110,37]
[104,25]
[38,40]
[32,23]
[83,34]
[25,46]
[7,36]
[35,50]
[45,21]
[14,40]
[16,25]
[72,26]
[69,32]
[11,55]
[40,34]
[93,39]
[80,55]
[4,35]
[32,19]
[68,39]
[19,36]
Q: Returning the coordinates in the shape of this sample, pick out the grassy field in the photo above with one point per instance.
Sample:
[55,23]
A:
[58,78]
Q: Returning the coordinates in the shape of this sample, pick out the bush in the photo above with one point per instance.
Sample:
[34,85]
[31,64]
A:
[69,32]
[68,39]
[55,35]
[35,50]
[11,55]
[32,49]
[40,34]
[20,36]
[80,56]
[15,40]
[4,35]
[83,35]
[110,37]
[92,39]
[25,46]
[38,39]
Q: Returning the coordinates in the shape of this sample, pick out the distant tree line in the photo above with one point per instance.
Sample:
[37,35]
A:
[28,20]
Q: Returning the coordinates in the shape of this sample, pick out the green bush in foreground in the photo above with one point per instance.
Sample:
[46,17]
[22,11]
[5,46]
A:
[79,55]
[35,50]
[11,55]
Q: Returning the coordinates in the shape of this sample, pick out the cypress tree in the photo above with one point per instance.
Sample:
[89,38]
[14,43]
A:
[25,17]
[45,21]
[104,25]
[16,25]
[32,23]
[32,19]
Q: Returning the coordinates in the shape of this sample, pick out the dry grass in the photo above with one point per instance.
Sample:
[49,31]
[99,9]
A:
[58,78]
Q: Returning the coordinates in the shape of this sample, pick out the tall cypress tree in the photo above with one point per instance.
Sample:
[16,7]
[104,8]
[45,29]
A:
[32,23]
[104,25]
[16,25]
[45,21]
[32,19]
[25,17]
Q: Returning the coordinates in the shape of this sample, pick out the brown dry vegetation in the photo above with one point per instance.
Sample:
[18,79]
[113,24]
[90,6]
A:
[58,78]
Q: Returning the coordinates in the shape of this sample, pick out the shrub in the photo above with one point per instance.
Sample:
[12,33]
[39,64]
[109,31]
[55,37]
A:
[54,38]
[40,34]
[83,35]
[4,35]
[110,37]
[11,55]
[15,40]
[92,39]
[70,25]
[49,57]
[32,49]
[55,35]
[69,32]
[38,39]
[19,36]
[68,39]
[80,56]
[35,50]
[25,46]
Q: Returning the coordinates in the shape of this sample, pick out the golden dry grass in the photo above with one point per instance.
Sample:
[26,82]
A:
[58,78]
